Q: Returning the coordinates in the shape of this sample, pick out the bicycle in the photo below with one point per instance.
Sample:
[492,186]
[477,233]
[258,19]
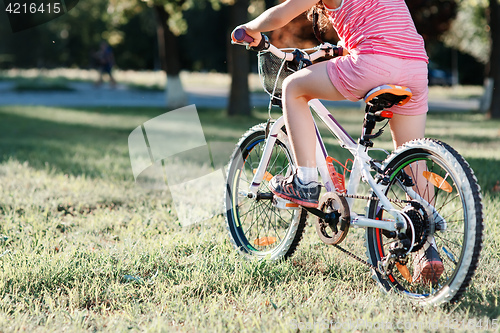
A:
[401,215]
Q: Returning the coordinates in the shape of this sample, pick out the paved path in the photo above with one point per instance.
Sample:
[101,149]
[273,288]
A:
[85,94]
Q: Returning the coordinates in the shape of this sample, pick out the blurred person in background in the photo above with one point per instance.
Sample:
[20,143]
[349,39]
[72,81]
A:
[105,61]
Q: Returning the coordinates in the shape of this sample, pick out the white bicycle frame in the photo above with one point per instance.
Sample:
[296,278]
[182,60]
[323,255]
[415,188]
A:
[360,169]
[361,162]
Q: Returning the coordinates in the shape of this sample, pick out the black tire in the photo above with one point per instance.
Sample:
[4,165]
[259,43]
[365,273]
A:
[257,228]
[459,203]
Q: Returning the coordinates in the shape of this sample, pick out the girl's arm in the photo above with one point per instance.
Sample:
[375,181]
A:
[276,17]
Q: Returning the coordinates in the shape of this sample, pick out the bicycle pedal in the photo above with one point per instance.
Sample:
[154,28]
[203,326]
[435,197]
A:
[281,203]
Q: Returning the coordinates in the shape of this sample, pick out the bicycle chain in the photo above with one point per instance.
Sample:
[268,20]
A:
[350,254]
[365,197]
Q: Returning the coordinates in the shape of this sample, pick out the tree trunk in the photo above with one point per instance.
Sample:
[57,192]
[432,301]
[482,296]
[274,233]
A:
[494,110]
[238,65]
[170,62]
[485,102]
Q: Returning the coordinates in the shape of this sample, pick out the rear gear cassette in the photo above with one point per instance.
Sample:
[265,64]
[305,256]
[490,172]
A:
[420,221]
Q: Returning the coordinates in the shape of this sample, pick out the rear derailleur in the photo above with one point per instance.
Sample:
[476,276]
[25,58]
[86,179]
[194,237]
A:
[418,229]
[397,256]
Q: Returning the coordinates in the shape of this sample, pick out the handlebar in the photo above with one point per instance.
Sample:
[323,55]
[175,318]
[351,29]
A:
[239,36]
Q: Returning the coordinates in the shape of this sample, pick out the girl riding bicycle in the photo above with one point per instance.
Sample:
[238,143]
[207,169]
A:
[381,46]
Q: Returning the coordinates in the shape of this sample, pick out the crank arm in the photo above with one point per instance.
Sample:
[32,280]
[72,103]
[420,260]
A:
[316,212]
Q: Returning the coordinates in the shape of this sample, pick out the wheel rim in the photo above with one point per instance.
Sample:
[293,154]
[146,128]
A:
[449,202]
[261,228]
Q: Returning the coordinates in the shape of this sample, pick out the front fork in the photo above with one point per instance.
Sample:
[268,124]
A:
[266,156]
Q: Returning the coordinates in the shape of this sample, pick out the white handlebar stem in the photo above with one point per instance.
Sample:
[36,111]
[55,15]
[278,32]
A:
[323,50]
[280,54]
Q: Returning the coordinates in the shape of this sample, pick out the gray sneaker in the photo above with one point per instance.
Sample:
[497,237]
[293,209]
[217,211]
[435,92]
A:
[292,189]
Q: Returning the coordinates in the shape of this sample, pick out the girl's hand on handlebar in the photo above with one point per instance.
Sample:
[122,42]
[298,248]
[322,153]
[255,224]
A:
[255,36]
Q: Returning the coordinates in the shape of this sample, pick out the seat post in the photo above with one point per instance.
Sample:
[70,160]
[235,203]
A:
[368,126]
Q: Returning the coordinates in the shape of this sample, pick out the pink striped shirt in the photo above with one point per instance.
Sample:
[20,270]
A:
[378,27]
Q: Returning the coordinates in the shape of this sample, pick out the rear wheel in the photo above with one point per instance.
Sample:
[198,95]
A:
[453,219]
[257,228]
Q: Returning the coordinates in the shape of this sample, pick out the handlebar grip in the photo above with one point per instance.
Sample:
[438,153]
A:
[240,35]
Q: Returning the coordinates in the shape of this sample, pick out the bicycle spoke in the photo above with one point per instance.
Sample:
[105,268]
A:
[453,221]
[448,199]
[446,240]
[453,214]
[256,226]
[274,228]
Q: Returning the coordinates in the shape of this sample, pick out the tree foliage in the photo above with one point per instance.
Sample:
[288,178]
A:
[65,41]
[476,31]
[432,17]
[470,32]
[123,10]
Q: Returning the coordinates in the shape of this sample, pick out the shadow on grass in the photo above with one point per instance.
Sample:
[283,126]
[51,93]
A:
[92,148]
[481,304]
[41,85]
[30,87]
[95,148]
[487,173]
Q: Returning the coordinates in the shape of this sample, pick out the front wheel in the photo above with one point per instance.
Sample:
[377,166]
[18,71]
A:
[451,221]
[256,227]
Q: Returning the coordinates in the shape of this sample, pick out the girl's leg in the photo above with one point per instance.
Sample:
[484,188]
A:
[407,128]
[428,267]
[404,129]
[298,89]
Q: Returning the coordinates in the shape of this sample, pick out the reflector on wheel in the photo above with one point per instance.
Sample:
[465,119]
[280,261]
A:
[267,175]
[437,181]
[264,241]
[405,272]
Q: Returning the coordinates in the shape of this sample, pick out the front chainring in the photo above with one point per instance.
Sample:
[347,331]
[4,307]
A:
[333,228]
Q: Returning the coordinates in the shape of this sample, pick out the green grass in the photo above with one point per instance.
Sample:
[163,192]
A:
[458,92]
[82,248]
[41,84]
[143,87]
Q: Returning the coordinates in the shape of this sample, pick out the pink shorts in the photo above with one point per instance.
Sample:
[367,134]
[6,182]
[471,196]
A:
[356,75]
